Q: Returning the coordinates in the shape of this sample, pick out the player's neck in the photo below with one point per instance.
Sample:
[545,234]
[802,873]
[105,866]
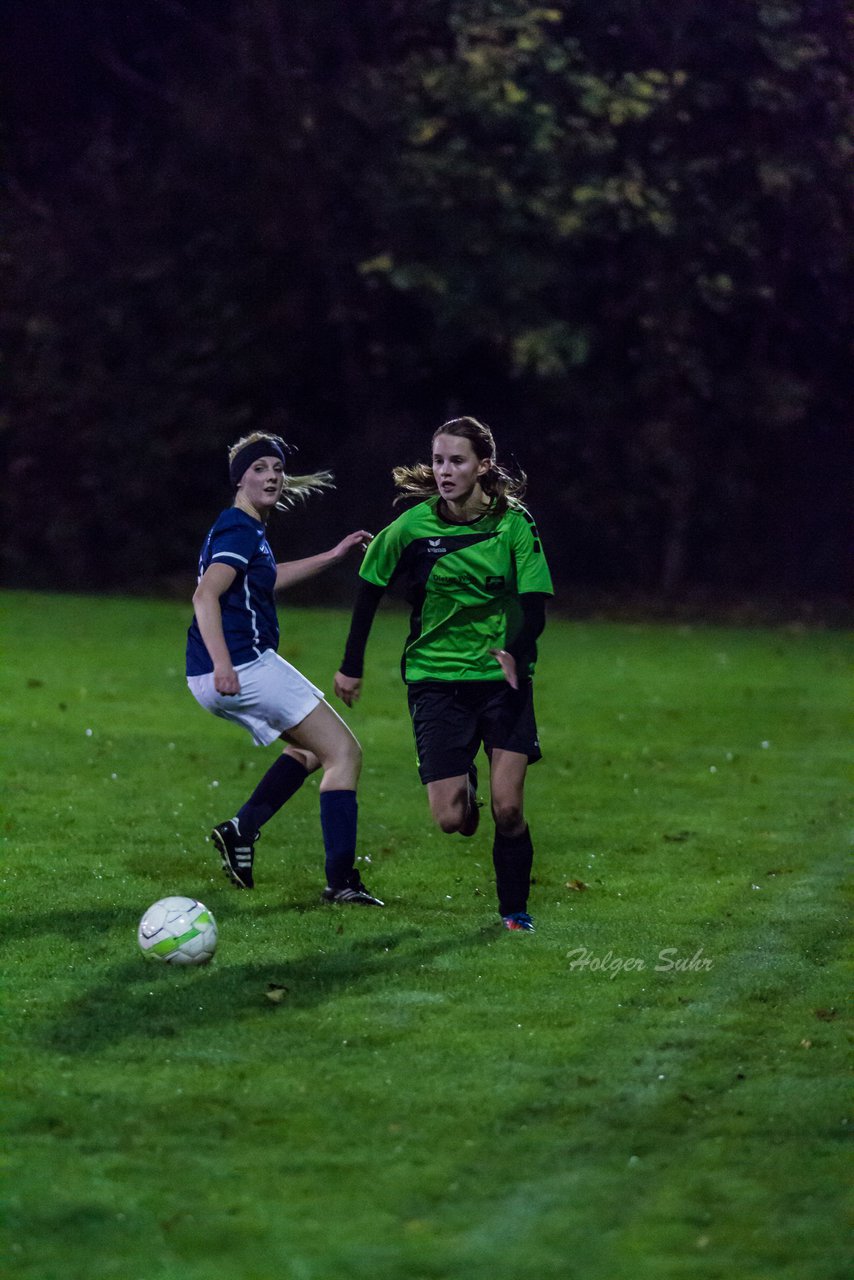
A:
[243,505]
[472,507]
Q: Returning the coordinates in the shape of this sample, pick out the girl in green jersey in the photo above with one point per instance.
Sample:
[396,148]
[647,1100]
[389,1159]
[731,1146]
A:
[475,574]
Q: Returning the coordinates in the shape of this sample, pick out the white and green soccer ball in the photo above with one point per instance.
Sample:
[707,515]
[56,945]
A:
[178,931]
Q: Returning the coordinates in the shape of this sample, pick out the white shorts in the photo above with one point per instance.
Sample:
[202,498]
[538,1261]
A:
[273,698]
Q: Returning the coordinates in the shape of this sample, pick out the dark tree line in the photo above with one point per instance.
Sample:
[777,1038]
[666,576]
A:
[617,230]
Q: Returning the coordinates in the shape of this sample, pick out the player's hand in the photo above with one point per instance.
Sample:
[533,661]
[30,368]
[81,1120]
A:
[347,688]
[226,680]
[359,539]
[507,663]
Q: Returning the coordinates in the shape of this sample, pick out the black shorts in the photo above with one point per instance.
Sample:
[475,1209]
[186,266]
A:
[452,718]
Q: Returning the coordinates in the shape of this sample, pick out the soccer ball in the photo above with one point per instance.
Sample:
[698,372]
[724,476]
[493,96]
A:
[177,931]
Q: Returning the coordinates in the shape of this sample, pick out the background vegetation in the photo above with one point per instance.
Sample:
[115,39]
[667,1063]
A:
[617,231]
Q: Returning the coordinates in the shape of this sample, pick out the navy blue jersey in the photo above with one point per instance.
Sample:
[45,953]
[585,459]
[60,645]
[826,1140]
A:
[249,620]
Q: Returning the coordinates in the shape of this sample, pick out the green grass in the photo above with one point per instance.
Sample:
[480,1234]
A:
[433,1098]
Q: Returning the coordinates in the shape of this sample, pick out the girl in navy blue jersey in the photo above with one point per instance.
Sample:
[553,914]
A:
[234,671]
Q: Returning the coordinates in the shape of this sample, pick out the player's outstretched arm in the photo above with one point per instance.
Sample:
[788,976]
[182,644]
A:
[291,572]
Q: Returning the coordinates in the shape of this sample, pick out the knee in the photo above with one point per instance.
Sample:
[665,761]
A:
[450,815]
[509,819]
[345,752]
[348,761]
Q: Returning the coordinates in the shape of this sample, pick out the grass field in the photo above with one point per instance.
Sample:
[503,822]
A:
[431,1097]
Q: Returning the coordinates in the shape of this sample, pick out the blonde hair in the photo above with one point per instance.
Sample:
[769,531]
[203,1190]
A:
[296,488]
[418,481]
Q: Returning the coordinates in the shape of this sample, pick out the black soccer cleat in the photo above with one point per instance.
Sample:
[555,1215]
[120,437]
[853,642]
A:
[471,822]
[354,892]
[236,853]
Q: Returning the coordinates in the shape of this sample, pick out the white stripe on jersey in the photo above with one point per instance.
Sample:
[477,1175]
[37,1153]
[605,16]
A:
[232,555]
[256,639]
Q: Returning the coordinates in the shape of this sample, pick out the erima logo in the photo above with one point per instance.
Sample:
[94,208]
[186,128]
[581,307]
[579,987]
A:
[434,546]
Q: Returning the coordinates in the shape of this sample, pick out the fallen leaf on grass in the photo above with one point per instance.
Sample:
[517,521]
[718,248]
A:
[274,993]
[578,886]
[806,1044]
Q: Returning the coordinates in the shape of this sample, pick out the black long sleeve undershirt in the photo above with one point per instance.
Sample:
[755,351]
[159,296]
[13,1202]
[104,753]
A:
[522,647]
[367,602]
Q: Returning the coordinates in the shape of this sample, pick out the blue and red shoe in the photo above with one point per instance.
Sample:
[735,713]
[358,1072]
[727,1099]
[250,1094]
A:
[518,921]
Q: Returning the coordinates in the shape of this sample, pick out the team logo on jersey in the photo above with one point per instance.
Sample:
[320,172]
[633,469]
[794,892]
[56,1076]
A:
[434,547]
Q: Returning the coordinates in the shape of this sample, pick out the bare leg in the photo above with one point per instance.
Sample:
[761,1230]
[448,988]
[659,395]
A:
[507,782]
[449,801]
[307,759]
[324,735]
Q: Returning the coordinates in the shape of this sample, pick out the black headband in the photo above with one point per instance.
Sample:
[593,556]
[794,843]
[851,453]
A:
[265,448]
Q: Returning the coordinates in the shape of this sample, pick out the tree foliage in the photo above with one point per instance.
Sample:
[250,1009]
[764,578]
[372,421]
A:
[616,231]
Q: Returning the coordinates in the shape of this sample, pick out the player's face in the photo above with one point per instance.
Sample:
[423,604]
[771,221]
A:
[456,467]
[261,484]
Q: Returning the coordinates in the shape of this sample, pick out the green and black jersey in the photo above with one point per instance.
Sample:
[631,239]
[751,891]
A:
[463,582]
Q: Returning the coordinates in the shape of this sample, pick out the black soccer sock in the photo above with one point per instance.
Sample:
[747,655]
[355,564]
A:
[512,857]
[339,814]
[282,780]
